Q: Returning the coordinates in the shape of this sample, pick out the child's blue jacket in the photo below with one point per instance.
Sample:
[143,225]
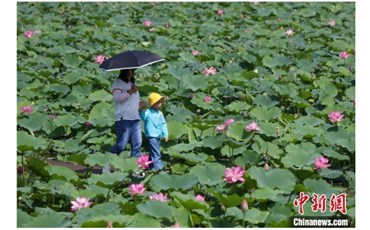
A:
[154,123]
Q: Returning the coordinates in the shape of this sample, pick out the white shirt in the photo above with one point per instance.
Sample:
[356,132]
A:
[126,105]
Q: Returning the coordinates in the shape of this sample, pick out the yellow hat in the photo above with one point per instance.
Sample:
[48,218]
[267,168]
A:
[154,98]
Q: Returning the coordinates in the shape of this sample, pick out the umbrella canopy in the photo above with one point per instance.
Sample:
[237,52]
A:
[130,60]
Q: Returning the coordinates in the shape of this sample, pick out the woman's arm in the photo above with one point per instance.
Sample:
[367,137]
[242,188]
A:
[119,95]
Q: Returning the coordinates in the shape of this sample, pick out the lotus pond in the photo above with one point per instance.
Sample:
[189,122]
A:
[260,106]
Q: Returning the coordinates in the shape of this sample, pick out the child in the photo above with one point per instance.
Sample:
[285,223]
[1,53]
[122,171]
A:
[155,128]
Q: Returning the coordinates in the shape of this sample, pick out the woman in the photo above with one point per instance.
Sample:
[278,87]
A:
[127,119]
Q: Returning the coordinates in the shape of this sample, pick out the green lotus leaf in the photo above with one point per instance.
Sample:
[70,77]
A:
[281,179]
[329,152]
[195,82]
[34,121]
[118,20]
[50,220]
[166,182]
[99,159]
[208,174]
[330,173]
[66,120]
[184,147]
[256,216]
[102,221]
[266,193]
[328,93]
[124,164]
[237,106]
[214,142]
[228,201]
[279,215]
[107,180]
[26,142]
[262,100]
[269,62]
[265,114]
[181,215]
[62,172]
[96,190]
[261,146]
[234,212]
[191,158]
[176,129]
[320,187]
[71,60]
[140,220]
[73,146]
[97,210]
[157,209]
[102,114]
[269,129]
[350,93]
[100,95]
[56,89]
[23,218]
[71,78]
[237,130]
[247,157]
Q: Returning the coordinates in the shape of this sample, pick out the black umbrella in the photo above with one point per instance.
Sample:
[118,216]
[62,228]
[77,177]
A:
[130,60]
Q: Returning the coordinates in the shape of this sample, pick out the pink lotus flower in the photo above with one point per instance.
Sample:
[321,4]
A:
[176,225]
[335,116]
[225,125]
[289,32]
[220,12]
[234,174]
[136,189]
[199,197]
[331,23]
[343,55]
[252,127]
[100,59]
[207,71]
[207,99]
[81,202]
[147,23]
[28,34]
[220,128]
[143,161]
[159,197]
[26,109]
[229,121]
[321,163]
[195,52]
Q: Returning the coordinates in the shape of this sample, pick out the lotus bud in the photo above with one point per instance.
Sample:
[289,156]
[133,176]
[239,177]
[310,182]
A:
[266,167]
[245,206]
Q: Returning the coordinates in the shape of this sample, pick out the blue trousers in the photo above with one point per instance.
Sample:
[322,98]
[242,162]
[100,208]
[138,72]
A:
[128,130]
[154,152]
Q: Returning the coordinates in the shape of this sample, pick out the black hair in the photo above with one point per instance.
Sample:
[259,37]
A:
[123,75]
